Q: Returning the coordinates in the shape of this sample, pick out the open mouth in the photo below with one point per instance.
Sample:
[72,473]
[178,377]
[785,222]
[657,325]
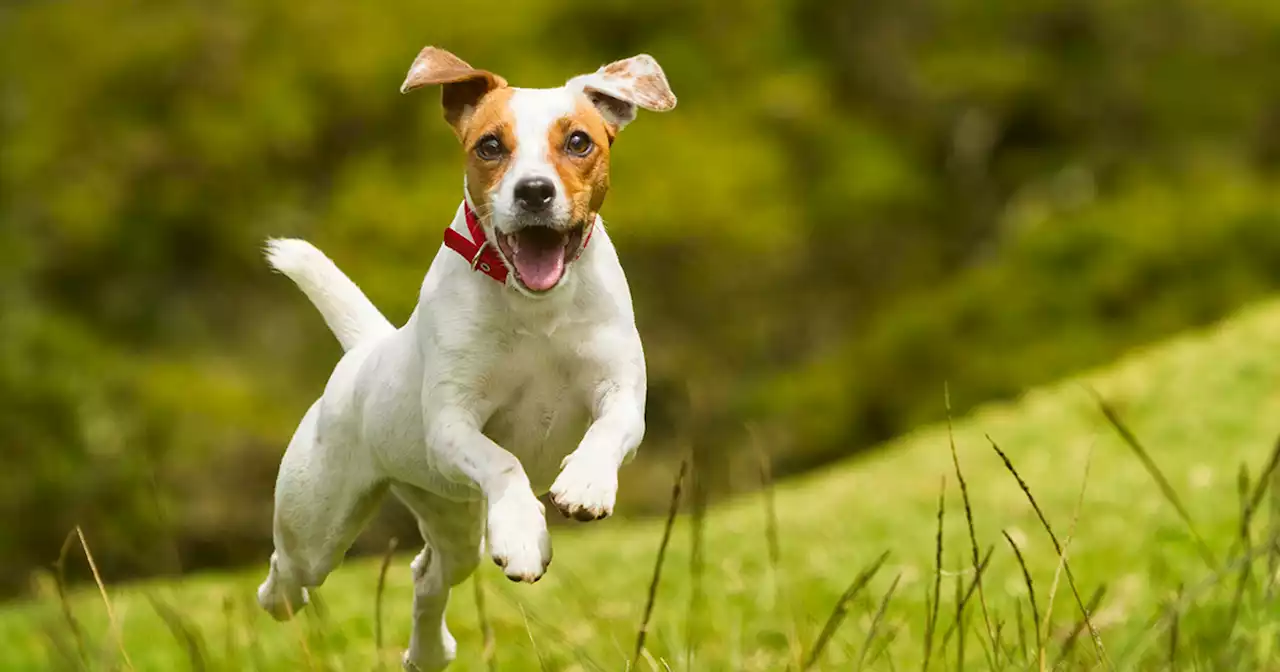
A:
[539,254]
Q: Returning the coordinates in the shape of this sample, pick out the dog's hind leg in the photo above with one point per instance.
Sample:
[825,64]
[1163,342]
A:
[325,493]
[453,533]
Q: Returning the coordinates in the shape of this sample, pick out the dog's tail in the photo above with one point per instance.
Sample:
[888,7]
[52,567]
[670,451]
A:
[349,313]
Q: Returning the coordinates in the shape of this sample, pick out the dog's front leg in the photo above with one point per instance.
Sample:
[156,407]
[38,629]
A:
[588,482]
[516,530]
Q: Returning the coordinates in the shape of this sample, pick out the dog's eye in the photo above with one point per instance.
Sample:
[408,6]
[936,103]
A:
[489,148]
[578,143]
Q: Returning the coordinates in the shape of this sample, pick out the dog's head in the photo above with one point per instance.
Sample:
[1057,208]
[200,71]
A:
[538,159]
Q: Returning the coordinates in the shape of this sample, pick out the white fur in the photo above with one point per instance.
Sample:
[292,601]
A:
[350,315]
[620,83]
[465,413]
[533,112]
[486,397]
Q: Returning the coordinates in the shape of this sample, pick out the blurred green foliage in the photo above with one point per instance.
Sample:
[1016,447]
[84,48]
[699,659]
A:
[854,203]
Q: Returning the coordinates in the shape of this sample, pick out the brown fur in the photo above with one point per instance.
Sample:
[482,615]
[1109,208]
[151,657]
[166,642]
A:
[492,115]
[464,86]
[653,89]
[585,178]
[618,67]
[477,104]
[646,83]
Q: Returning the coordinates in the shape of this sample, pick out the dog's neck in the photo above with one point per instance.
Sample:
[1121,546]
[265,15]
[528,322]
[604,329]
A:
[541,309]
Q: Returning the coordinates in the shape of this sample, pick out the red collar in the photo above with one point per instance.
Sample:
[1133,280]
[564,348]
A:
[483,256]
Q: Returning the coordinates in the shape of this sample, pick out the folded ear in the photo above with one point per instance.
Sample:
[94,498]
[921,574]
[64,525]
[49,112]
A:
[619,88]
[464,85]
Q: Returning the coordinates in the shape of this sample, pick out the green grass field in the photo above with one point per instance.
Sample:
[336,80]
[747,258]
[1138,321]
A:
[1202,405]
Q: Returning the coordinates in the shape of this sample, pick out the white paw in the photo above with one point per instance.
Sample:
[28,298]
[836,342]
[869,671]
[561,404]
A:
[517,538]
[278,603]
[585,489]
[434,658]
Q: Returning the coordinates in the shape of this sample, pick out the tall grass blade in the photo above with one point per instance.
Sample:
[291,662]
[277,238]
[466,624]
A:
[548,629]
[998,645]
[774,547]
[1156,625]
[875,622]
[968,517]
[184,632]
[1022,631]
[1273,555]
[1069,643]
[1274,526]
[1065,565]
[302,634]
[116,630]
[1057,547]
[697,522]
[1244,541]
[230,648]
[542,662]
[1269,479]
[63,654]
[1031,594]
[841,610]
[657,567]
[931,624]
[963,595]
[885,643]
[64,600]
[959,624]
[1170,495]
[489,648]
[377,597]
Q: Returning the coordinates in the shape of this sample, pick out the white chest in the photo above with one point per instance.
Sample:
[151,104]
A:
[540,413]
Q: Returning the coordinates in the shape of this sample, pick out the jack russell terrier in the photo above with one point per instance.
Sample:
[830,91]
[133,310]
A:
[520,368]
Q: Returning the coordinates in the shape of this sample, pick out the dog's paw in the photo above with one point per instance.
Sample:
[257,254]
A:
[517,538]
[585,489]
[431,658]
[282,603]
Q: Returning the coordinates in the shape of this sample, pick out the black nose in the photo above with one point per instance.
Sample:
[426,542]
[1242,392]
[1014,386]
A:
[535,193]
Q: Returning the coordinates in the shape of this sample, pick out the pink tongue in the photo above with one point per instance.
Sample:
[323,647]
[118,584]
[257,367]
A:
[539,259]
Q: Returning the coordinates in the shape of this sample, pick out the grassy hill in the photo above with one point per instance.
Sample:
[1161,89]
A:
[1202,406]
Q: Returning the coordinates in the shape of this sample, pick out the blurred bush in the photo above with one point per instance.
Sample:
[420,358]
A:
[854,203]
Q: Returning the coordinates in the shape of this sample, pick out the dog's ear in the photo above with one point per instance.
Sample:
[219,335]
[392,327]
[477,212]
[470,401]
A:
[464,85]
[619,88]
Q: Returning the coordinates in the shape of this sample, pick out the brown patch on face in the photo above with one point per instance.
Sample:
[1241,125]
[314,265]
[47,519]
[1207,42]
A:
[492,118]
[585,176]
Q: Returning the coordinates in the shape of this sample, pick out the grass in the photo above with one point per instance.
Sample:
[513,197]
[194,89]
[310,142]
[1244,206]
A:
[1173,553]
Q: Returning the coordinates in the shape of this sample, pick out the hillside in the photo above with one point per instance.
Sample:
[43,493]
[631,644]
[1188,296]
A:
[1203,405]
[853,203]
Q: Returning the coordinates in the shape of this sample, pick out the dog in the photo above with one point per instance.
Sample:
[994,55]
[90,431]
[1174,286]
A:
[519,372]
